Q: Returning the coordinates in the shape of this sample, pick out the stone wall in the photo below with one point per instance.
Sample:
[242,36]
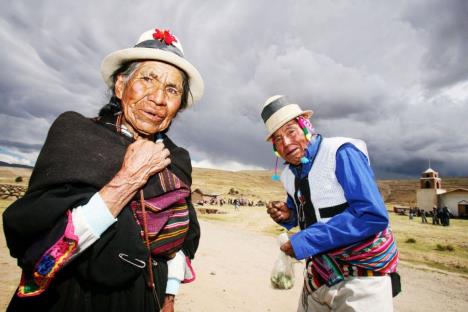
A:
[9,191]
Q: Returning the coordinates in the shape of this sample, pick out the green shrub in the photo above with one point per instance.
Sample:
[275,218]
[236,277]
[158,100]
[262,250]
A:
[19,179]
[440,247]
[410,241]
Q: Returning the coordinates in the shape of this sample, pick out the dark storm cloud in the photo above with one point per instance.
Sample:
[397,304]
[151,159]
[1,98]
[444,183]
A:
[445,23]
[391,73]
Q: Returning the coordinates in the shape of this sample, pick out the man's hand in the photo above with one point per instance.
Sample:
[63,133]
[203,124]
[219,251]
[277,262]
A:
[287,249]
[168,305]
[278,211]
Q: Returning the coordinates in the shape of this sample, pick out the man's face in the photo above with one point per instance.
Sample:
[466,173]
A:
[290,142]
[150,96]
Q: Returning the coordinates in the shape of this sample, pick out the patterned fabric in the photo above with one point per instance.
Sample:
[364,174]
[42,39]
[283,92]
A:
[50,263]
[376,256]
[167,216]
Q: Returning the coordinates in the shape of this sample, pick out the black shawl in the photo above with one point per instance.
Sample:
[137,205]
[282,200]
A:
[79,157]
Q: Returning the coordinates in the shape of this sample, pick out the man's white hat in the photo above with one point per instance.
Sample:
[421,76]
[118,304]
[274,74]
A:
[277,111]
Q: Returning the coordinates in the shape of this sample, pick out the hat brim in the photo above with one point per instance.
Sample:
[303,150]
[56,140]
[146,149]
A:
[116,59]
[307,114]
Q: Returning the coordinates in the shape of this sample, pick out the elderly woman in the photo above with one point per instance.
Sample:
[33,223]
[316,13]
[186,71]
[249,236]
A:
[107,223]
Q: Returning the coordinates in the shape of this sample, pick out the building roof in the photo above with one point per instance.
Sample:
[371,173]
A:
[429,170]
[457,190]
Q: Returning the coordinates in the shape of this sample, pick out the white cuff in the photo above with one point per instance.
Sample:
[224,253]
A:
[172,287]
[175,273]
[90,221]
[176,266]
[97,214]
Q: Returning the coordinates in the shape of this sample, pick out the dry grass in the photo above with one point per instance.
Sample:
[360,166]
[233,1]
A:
[9,174]
[433,243]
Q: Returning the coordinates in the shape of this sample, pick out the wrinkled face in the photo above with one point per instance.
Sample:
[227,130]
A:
[150,96]
[290,142]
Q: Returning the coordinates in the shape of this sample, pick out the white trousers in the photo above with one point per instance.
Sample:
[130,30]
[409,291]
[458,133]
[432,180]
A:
[356,294]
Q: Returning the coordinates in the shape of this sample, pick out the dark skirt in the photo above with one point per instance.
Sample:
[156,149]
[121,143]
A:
[69,292]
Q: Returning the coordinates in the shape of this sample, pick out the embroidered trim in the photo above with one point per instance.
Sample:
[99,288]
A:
[50,263]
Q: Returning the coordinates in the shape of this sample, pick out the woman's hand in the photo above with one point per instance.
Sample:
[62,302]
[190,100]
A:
[142,159]
[278,211]
[168,305]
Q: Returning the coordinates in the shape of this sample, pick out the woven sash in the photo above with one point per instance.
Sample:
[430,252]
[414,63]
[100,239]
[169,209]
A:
[167,216]
[375,256]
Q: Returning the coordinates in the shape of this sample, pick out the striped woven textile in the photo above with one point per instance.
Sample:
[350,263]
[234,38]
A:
[375,256]
[167,216]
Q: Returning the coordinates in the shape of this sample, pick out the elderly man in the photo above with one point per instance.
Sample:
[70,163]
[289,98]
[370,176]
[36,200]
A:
[107,222]
[344,228]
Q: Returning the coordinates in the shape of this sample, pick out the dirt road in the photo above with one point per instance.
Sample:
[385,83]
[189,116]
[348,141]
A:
[234,264]
[233,267]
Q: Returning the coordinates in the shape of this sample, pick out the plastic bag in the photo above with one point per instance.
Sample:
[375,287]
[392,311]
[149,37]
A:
[282,275]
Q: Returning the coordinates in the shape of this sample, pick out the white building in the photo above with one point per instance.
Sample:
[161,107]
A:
[456,202]
[432,194]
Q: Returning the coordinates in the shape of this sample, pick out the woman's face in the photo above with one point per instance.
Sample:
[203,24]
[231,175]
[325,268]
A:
[150,96]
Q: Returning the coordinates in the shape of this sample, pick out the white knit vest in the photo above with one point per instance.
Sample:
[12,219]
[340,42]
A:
[325,190]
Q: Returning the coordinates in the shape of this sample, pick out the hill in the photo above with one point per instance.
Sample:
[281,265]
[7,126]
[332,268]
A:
[258,185]
[254,185]
[403,192]
[5,164]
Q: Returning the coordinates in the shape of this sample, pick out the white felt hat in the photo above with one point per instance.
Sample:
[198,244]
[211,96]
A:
[160,45]
[277,111]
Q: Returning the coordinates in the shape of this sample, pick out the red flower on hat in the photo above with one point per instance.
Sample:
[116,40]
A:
[164,35]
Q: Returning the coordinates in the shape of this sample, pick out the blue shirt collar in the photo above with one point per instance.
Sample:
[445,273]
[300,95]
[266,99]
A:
[302,170]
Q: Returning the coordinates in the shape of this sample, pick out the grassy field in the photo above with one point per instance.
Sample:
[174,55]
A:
[437,246]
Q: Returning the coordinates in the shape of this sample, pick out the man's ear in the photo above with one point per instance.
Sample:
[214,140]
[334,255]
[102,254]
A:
[119,86]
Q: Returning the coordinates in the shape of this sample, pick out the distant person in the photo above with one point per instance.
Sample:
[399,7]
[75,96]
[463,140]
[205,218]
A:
[439,215]
[435,216]
[445,216]
[332,196]
[423,216]
[107,223]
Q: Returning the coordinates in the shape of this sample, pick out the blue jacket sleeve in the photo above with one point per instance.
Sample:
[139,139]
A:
[365,216]
[292,222]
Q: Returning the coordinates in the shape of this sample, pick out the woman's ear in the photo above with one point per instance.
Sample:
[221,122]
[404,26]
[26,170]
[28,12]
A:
[119,86]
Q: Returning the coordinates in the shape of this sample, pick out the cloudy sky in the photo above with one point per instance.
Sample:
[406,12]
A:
[394,73]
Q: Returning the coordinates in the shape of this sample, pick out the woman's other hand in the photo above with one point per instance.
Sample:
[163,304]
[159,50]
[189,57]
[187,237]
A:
[168,305]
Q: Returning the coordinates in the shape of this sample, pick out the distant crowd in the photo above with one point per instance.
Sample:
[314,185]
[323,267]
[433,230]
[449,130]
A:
[236,202]
[440,216]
